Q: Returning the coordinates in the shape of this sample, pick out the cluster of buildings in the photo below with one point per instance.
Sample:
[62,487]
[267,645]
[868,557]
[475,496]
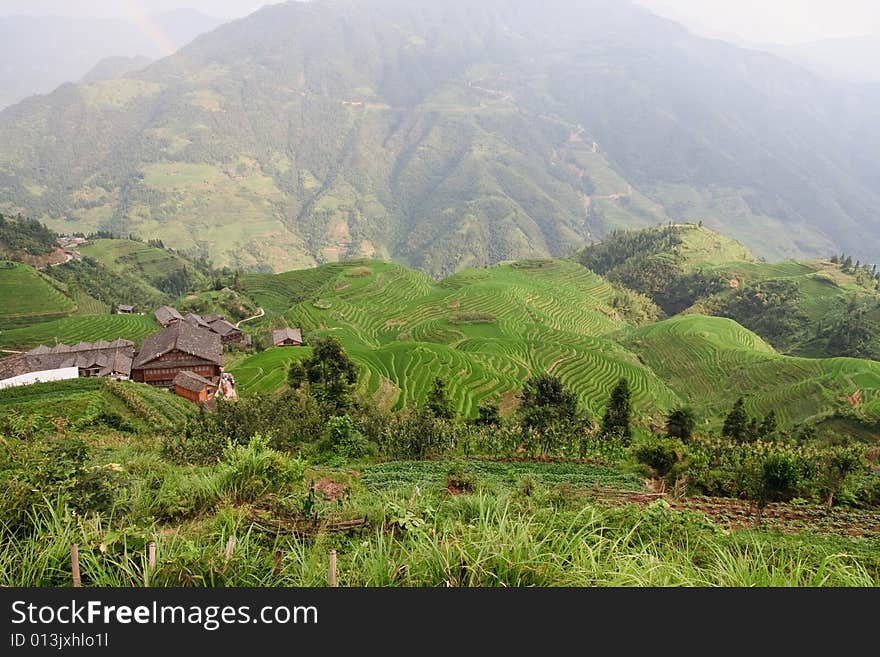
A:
[228,332]
[186,356]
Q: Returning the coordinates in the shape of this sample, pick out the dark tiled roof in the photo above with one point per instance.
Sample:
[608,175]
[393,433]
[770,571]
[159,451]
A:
[16,366]
[222,327]
[287,334]
[182,337]
[108,357]
[195,320]
[212,317]
[192,381]
[166,314]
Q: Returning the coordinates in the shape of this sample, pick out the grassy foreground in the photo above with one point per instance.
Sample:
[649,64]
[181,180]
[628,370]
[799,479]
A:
[436,523]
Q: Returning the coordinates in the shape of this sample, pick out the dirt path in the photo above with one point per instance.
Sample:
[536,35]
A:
[261,313]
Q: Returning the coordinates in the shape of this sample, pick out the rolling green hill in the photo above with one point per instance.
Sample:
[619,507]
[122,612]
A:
[712,361]
[448,136]
[86,402]
[72,330]
[485,331]
[26,297]
[815,308]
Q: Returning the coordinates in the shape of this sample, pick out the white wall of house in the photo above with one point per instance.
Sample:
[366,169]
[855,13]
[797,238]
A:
[63,374]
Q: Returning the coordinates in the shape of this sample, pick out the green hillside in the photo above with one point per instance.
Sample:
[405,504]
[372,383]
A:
[97,402]
[712,361]
[150,263]
[26,297]
[823,287]
[485,331]
[819,308]
[447,138]
[72,330]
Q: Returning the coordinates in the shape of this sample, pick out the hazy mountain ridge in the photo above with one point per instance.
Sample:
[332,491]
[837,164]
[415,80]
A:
[111,68]
[435,135]
[39,53]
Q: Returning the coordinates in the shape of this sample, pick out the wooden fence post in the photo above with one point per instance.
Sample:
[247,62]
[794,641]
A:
[279,556]
[230,549]
[152,555]
[74,563]
[331,577]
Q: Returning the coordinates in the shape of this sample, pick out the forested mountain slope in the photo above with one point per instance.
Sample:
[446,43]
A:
[448,135]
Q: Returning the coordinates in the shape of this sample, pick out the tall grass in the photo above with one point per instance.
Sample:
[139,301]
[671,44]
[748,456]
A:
[476,540]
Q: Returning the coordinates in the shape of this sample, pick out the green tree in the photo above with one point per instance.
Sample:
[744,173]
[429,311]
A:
[850,331]
[680,423]
[330,374]
[617,419]
[768,427]
[774,477]
[737,422]
[771,309]
[546,402]
[488,415]
[836,465]
[438,403]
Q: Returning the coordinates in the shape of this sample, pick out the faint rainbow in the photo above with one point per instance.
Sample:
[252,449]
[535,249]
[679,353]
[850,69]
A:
[149,27]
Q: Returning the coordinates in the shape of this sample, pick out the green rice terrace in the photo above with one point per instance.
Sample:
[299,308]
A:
[26,297]
[72,330]
[485,331]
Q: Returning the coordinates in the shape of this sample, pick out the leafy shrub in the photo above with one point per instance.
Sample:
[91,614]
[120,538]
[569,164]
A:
[461,479]
[56,469]
[253,470]
[659,454]
[343,441]
[417,434]
[197,443]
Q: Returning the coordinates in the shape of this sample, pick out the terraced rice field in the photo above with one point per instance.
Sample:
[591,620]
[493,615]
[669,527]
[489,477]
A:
[82,400]
[126,256]
[28,298]
[80,329]
[711,362]
[266,371]
[485,331]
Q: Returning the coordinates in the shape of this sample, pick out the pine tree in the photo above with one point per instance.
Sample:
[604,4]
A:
[736,423]
[488,415]
[330,374]
[768,426]
[680,423]
[438,403]
[617,419]
[546,402]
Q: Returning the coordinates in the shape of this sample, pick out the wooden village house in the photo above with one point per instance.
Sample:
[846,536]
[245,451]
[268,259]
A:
[179,348]
[287,337]
[227,331]
[195,388]
[166,316]
[86,359]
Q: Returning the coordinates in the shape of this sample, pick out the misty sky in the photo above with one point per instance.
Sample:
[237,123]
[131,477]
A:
[780,21]
[124,8]
[774,21]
